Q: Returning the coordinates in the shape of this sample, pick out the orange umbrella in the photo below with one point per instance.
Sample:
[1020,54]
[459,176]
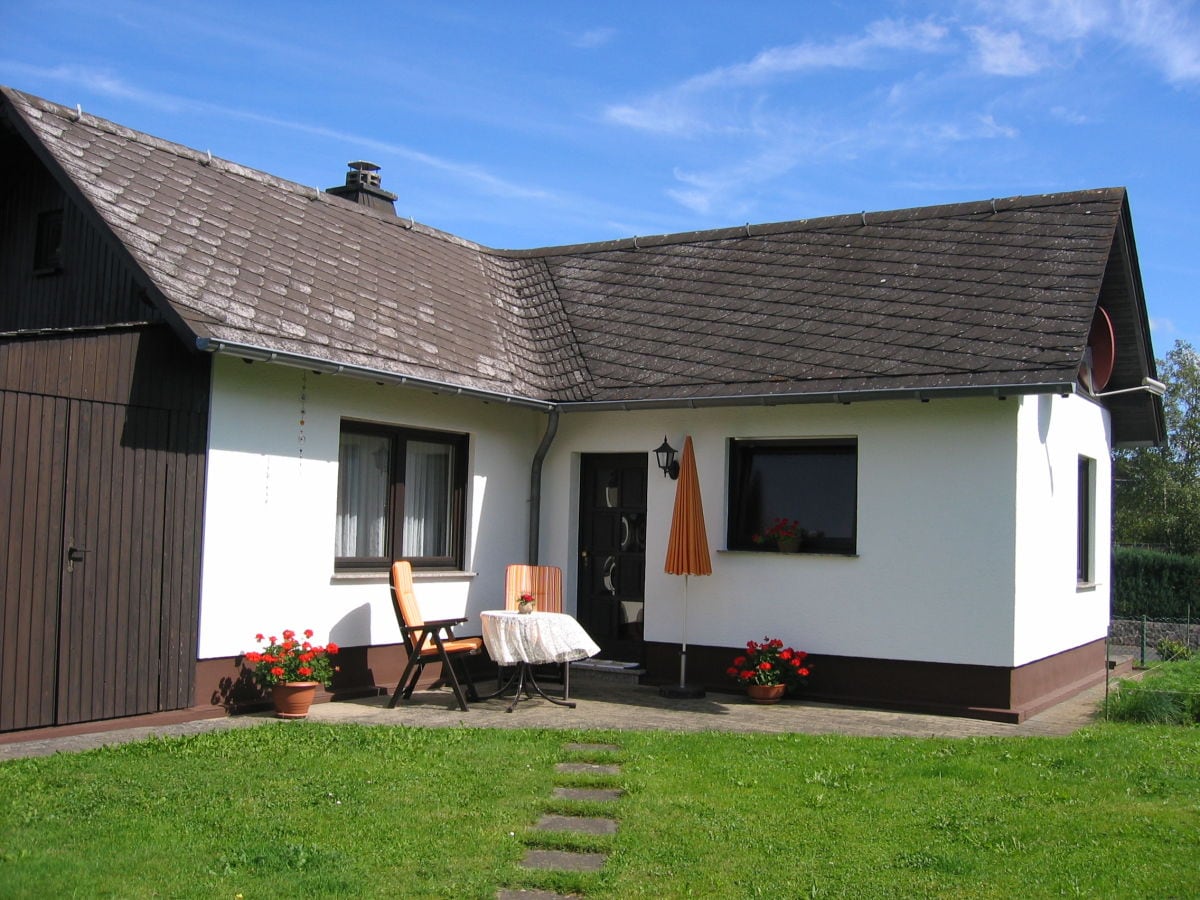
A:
[687,548]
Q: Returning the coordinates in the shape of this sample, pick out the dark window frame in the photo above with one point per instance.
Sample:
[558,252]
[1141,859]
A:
[398,436]
[747,517]
[48,242]
[1085,522]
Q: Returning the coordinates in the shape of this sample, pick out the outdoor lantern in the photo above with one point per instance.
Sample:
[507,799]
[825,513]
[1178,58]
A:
[666,459]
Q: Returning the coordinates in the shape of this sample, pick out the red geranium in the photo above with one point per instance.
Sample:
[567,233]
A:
[279,663]
[769,662]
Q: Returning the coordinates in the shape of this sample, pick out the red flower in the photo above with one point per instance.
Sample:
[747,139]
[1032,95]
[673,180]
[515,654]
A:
[765,666]
[253,657]
[308,632]
[786,654]
[739,661]
[732,672]
[258,637]
[277,671]
[803,673]
[288,634]
[747,675]
[331,647]
[304,670]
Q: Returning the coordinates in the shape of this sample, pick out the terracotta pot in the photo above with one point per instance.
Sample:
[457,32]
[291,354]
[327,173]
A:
[789,545]
[765,693]
[293,699]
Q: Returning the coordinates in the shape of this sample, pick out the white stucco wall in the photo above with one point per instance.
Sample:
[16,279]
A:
[1054,612]
[271,497]
[935,574]
[939,575]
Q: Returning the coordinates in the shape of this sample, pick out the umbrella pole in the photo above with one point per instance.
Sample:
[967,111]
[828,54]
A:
[683,691]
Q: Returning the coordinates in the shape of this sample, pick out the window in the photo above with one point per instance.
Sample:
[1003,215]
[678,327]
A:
[400,496]
[1085,525]
[811,482]
[47,248]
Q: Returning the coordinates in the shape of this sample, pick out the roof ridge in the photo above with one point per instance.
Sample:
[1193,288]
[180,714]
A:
[860,219]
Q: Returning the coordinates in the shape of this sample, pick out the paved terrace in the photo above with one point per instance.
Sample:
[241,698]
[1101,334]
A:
[601,705]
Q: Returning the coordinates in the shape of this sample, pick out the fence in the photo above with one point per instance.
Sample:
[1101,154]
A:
[1163,691]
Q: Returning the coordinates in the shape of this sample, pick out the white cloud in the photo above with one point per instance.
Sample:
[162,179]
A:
[1166,35]
[594,37]
[689,108]
[1003,52]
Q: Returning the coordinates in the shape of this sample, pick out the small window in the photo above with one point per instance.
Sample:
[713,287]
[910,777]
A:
[48,247]
[400,496]
[812,484]
[1085,522]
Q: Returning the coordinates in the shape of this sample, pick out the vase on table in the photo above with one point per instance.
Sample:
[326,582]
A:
[293,698]
[524,607]
[765,693]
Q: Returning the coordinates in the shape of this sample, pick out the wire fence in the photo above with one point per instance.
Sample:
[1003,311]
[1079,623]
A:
[1165,686]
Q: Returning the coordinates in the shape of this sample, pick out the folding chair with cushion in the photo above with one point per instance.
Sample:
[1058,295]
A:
[545,584]
[427,642]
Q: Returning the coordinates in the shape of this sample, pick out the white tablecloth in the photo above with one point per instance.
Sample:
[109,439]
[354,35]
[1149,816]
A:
[538,637]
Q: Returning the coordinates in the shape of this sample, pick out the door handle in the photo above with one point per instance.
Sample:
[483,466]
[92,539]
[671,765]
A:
[74,555]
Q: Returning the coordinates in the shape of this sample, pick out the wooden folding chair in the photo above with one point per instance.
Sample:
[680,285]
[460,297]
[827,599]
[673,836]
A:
[428,642]
[545,584]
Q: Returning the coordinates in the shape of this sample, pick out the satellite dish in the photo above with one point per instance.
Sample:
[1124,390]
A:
[1101,353]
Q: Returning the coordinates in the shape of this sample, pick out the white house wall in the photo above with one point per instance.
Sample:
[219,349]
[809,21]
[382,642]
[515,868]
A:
[1054,612]
[271,498]
[934,576]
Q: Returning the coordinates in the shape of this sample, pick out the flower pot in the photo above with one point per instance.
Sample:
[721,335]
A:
[765,693]
[525,607]
[789,545]
[293,699]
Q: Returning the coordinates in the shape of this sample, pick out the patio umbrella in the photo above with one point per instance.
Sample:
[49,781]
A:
[687,551]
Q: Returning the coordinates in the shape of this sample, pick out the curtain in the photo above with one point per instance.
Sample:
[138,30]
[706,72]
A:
[363,480]
[427,483]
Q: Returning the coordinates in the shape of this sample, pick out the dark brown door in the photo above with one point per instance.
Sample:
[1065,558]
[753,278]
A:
[98,582]
[612,552]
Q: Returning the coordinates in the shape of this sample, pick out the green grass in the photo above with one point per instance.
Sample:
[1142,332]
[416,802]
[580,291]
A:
[316,810]
[1167,695]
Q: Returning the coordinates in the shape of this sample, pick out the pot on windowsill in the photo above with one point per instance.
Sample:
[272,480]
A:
[788,545]
[765,693]
[293,698]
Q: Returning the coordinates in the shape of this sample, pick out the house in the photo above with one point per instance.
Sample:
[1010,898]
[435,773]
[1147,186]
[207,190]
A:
[228,401]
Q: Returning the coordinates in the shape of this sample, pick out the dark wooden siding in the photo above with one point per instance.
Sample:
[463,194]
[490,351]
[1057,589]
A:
[92,288]
[102,442]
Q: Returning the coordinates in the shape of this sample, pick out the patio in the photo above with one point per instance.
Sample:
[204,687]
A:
[601,706]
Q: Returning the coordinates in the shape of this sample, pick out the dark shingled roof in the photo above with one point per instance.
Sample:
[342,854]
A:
[994,295]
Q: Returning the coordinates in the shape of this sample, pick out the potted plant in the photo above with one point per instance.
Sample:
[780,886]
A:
[783,533]
[526,603]
[768,669]
[292,669]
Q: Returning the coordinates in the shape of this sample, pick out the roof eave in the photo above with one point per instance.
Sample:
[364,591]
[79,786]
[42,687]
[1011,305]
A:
[253,353]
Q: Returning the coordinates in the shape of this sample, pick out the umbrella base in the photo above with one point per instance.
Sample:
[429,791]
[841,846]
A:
[682,691]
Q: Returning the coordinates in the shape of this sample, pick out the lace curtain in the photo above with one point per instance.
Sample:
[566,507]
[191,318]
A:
[427,470]
[363,476]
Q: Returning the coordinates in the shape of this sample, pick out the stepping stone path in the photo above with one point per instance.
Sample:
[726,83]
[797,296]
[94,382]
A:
[565,860]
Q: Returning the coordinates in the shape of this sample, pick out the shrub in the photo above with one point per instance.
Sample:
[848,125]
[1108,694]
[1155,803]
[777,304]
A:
[1154,584]
[1169,695]
[1172,650]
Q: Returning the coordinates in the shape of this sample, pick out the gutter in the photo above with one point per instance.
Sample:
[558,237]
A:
[381,376]
[1000,391]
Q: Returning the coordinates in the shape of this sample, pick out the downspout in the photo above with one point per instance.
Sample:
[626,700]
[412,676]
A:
[535,485]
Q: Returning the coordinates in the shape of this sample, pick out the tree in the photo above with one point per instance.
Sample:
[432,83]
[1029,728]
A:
[1157,499]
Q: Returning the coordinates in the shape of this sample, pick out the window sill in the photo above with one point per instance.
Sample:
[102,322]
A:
[382,576]
[1084,586]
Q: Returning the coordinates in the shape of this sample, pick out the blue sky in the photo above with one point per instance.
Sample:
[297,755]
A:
[531,124]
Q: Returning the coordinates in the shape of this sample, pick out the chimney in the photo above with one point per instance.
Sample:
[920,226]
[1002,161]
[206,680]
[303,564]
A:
[362,187]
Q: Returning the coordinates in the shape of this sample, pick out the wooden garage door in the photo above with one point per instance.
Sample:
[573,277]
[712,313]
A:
[99,615]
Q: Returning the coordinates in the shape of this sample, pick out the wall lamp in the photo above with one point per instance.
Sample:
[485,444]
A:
[1149,385]
[666,459]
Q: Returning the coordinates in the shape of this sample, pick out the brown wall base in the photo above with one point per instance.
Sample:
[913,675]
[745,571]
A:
[995,693]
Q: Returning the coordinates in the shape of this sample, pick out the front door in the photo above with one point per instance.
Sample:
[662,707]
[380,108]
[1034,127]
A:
[612,552]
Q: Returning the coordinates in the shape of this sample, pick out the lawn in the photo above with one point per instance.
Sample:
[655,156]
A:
[314,810]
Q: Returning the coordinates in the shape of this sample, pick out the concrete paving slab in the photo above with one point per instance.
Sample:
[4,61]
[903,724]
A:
[594,795]
[577,824]
[563,860]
